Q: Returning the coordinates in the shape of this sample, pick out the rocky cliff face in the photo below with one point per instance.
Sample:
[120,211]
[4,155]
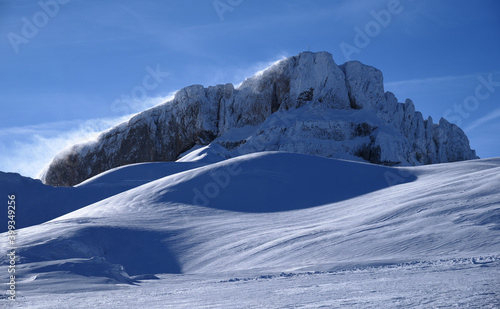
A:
[306,104]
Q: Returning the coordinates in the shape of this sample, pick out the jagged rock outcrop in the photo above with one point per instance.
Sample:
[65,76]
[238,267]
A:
[306,104]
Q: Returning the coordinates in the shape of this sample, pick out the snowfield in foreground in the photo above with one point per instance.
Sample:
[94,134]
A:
[267,230]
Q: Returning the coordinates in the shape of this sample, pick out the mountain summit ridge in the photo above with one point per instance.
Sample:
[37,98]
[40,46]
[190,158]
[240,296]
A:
[305,104]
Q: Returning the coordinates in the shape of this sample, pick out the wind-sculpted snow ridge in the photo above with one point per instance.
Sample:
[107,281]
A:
[304,104]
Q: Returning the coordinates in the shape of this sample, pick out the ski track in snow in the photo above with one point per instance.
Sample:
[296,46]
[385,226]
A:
[434,284]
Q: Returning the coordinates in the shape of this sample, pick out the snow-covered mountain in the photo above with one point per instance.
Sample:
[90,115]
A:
[303,104]
[266,197]
[268,229]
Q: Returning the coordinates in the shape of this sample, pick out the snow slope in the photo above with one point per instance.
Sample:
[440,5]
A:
[253,217]
[41,203]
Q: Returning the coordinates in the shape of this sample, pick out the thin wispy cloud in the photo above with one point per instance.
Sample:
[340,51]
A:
[481,121]
[44,129]
[430,80]
[230,73]
[128,105]
[255,69]
[42,142]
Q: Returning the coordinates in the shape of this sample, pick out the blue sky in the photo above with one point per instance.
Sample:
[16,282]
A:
[73,68]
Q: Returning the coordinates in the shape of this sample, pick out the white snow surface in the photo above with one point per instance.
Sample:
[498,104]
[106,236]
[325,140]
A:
[265,230]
